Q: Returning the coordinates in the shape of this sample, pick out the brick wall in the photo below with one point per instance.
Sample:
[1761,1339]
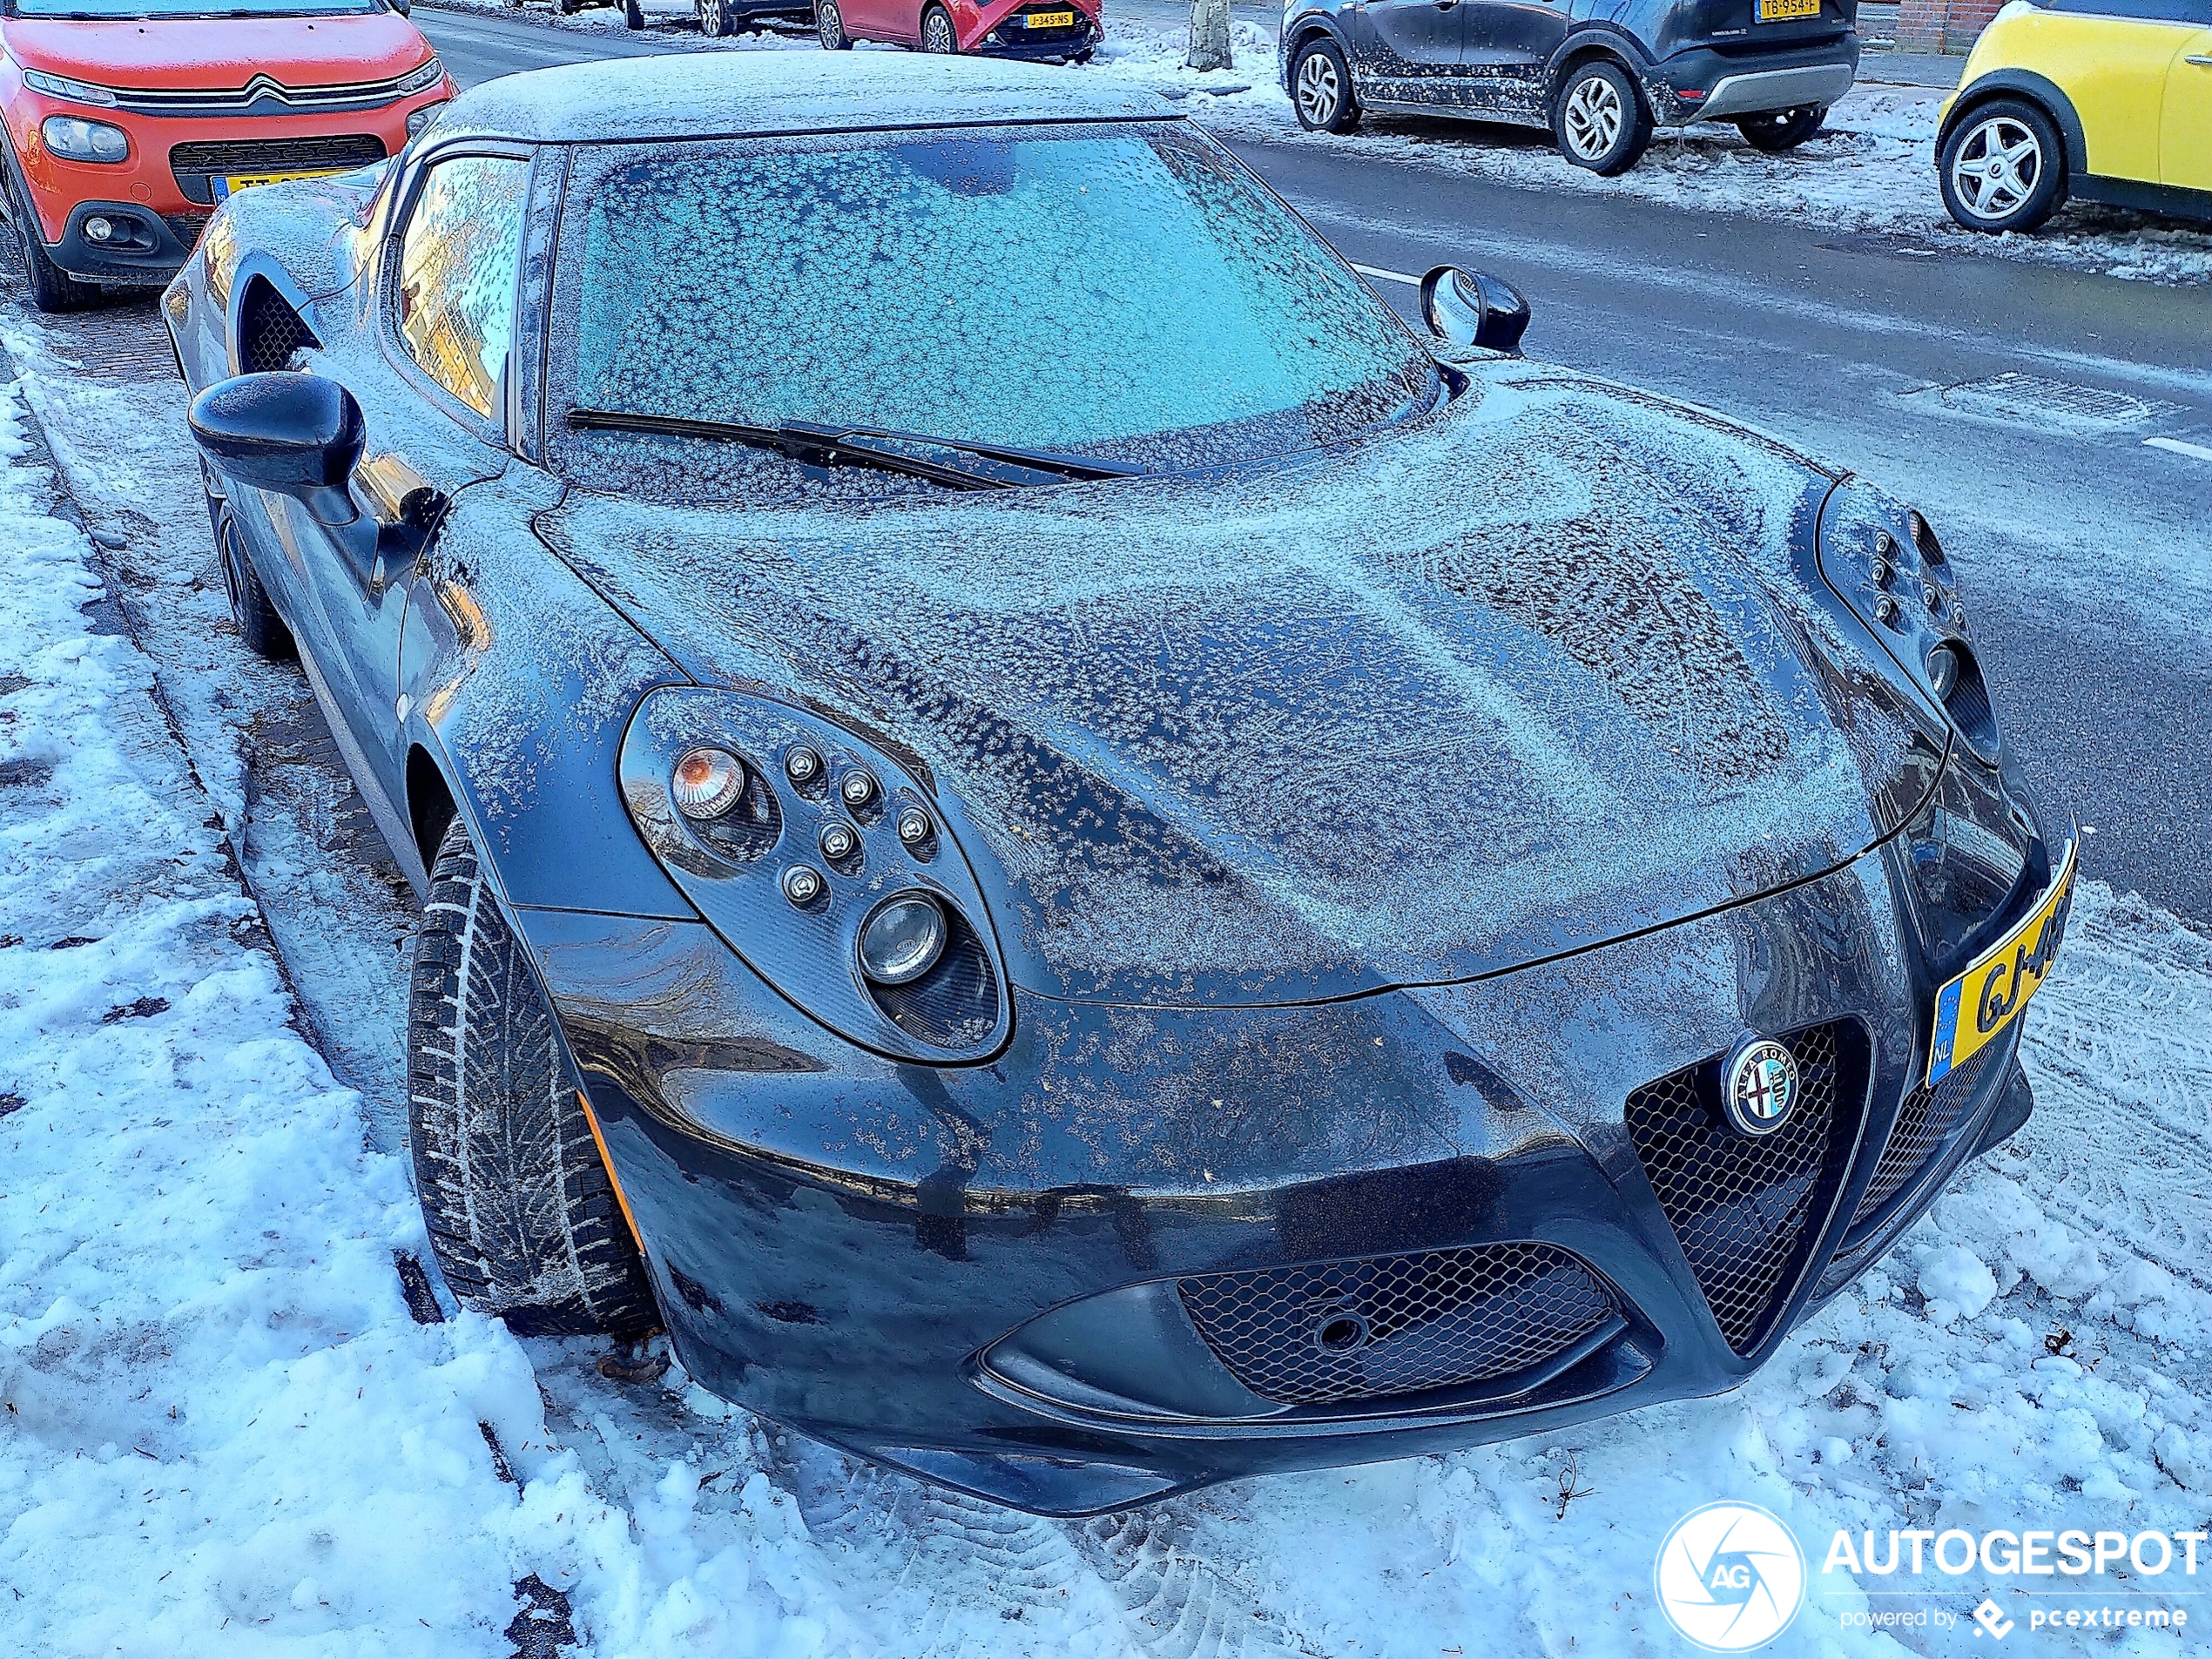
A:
[1942,25]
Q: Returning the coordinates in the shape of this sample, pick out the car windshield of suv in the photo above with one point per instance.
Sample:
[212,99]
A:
[140,10]
[1122,292]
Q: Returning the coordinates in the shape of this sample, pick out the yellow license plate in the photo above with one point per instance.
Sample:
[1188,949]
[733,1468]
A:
[1783,10]
[1987,997]
[1050,20]
[226,188]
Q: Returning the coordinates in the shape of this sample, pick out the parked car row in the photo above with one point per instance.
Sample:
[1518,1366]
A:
[126,129]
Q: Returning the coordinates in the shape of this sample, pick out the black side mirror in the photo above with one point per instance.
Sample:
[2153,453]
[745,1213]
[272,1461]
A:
[299,434]
[1474,309]
[403,7]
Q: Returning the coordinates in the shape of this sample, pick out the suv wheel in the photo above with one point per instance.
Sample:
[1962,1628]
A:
[2003,168]
[1600,119]
[1780,130]
[1321,88]
[520,1211]
[51,288]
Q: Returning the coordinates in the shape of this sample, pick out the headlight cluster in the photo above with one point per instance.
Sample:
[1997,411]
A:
[823,865]
[422,77]
[75,139]
[39,80]
[1887,565]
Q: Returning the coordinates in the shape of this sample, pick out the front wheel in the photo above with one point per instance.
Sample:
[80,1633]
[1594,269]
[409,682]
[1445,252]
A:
[829,24]
[1780,130]
[258,625]
[1321,88]
[1600,120]
[716,19]
[2003,168]
[937,34]
[522,1211]
[52,289]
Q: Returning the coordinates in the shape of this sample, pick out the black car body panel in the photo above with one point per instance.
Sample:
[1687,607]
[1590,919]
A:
[1503,60]
[1377,849]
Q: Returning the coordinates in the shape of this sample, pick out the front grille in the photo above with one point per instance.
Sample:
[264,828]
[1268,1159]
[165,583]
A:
[1396,1325]
[1742,1206]
[269,331]
[263,94]
[1925,1124]
[197,166]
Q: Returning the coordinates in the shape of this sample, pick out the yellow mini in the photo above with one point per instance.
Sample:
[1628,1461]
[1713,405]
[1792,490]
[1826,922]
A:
[2106,100]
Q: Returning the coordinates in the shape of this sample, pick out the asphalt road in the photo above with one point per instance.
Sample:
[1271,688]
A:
[2086,547]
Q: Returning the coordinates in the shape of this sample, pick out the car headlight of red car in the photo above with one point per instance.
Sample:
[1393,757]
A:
[76,139]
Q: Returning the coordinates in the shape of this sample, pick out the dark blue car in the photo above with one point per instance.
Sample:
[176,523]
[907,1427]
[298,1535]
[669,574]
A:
[1600,74]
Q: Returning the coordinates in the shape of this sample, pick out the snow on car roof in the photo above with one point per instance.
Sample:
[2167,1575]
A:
[742,94]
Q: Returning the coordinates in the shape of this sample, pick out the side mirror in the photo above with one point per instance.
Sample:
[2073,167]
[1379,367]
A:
[299,434]
[1474,309]
[403,7]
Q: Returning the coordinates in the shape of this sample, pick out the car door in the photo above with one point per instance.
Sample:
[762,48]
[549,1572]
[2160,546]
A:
[2113,59]
[431,383]
[894,20]
[2185,133]
[1410,50]
[1508,52]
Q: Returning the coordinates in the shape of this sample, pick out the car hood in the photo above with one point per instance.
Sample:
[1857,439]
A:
[1552,667]
[220,54]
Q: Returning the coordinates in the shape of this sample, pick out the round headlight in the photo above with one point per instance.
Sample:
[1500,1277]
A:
[706,782]
[903,939]
[1943,672]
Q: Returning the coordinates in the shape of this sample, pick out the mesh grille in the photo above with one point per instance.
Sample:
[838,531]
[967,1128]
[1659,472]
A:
[199,165]
[1741,1205]
[1395,1324]
[1925,1124]
[269,331]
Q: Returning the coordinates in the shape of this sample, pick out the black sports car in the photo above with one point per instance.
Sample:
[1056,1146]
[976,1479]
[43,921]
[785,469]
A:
[1086,865]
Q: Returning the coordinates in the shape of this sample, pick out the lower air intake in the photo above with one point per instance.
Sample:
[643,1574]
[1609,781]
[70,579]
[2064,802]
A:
[1396,1325]
[1744,1208]
[1925,1124]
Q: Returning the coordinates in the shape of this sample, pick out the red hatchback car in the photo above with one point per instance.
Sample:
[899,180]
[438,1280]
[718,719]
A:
[128,121]
[1061,31]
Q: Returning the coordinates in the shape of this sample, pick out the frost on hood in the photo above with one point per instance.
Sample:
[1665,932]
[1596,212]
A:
[1405,710]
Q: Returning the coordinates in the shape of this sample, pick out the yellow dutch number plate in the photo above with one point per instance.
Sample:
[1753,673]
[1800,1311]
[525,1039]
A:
[1050,20]
[1987,997]
[238,181]
[1783,10]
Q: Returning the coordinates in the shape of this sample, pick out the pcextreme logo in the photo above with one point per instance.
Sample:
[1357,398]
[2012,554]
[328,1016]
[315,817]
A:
[1731,1577]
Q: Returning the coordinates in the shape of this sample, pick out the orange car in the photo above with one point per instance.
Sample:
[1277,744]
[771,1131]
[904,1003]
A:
[129,121]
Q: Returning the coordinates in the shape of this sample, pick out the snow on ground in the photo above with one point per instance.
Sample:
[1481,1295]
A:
[1872,171]
[196,1263]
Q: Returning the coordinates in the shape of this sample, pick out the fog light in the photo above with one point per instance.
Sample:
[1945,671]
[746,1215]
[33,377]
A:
[1943,672]
[902,940]
[98,229]
[707,782]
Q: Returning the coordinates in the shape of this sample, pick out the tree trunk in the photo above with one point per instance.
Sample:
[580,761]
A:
[1209,35]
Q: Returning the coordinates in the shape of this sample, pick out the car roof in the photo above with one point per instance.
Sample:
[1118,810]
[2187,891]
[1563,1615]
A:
[747,93]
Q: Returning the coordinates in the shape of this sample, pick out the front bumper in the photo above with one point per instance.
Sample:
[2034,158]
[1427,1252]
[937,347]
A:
[1056,1280]
[1736,85]
[144,248]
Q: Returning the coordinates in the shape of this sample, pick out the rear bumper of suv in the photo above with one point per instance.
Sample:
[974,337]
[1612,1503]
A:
[1708,86]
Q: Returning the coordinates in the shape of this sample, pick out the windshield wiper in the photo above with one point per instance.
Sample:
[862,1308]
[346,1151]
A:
[861,446]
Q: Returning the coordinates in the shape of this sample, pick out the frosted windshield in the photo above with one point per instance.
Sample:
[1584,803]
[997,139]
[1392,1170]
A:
[1087,289]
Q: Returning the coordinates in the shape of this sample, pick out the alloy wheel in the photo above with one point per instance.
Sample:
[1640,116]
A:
[710,16]
[1320,94]
[1997,169]
[829,24]
[1593,118]
[937,33]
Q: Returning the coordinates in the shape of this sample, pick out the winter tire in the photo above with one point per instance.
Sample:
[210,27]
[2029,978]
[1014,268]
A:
[829,24]
[520,1211]
[1780,130]
[938,35]
[1321,88]
[1600,120]
[2003,168]
[258,625]
[50,288]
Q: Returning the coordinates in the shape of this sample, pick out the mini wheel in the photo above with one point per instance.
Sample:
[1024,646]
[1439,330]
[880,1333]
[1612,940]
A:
[2003,168]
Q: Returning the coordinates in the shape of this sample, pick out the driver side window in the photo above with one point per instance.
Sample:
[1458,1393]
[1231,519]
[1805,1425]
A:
[458,260]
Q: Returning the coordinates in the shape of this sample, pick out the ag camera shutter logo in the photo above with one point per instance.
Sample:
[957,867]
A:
[1731,1577]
